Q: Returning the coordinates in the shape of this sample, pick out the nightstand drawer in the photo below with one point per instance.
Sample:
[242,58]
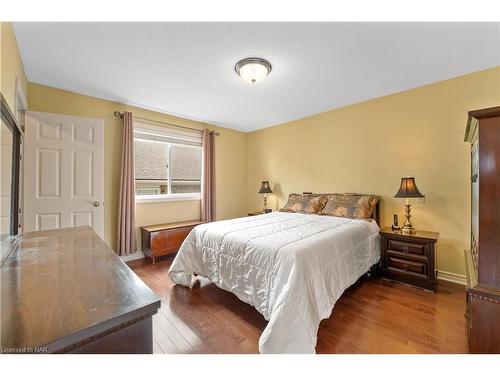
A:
[406,265]
[407,247]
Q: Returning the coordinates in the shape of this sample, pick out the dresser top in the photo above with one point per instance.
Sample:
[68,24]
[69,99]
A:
[417,234]
[60,284]
[485,113]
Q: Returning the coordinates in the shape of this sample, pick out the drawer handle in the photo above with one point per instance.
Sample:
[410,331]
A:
[405,249]
[405,266]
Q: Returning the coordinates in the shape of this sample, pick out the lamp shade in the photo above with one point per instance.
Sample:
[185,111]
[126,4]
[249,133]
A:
[408,189]
[265,188]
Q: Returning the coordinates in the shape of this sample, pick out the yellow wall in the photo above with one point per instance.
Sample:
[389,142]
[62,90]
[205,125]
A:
[368,147]
[365,147]
[11,66]
[231,159]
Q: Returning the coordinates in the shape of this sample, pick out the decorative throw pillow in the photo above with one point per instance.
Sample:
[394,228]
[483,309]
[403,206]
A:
[354,206]
[305,203]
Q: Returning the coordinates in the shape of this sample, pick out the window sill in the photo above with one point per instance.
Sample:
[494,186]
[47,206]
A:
[167,198]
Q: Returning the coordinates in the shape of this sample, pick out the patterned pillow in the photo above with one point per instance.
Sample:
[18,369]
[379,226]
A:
[354,206]
[305,203]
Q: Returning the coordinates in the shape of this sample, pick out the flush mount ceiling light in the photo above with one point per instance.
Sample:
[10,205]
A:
[253,69]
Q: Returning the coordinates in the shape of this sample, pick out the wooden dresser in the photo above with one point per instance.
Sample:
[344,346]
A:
[409,258]
[66,291]
[163,239]
[482,260]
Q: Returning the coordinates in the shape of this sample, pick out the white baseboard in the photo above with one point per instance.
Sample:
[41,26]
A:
[452,277]
[137,255]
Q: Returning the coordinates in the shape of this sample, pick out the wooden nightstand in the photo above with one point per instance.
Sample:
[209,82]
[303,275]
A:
[409,258]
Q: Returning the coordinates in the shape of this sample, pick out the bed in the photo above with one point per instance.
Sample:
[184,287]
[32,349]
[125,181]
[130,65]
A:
[292,267]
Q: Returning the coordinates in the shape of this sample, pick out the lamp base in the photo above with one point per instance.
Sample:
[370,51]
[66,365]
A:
[407,226]
[408,230]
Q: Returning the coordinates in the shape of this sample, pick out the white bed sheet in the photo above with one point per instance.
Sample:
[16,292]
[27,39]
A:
[291,267]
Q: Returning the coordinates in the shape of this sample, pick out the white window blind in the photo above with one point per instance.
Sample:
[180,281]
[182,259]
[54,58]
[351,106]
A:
[168,162]
[167,134]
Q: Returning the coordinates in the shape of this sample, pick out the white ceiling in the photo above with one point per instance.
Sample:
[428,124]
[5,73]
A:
[186,69]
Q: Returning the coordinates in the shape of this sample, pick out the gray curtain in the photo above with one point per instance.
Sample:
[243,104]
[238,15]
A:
[126,204]
[208,192]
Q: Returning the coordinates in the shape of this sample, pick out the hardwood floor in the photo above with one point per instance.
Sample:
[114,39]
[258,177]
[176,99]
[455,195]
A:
[373,316]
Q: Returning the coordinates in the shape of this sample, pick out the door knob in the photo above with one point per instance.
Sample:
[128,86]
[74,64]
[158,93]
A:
[96,204]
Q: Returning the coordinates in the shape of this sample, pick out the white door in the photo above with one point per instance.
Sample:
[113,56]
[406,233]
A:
[63,172]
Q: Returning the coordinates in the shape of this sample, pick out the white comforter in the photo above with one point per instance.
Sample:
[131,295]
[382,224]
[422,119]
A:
[291,267]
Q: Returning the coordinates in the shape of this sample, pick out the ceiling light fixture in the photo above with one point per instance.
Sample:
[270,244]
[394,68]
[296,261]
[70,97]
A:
[253,69]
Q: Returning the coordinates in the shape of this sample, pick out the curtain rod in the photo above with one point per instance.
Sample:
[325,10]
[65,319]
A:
[120,115]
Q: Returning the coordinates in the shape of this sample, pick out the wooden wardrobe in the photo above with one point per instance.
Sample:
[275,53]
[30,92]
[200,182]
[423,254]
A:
[482,260]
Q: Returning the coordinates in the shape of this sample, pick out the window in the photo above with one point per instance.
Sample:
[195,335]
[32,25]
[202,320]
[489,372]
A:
[167,163]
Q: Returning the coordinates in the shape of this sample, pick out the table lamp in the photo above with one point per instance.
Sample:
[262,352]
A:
[265,189]
[408,189]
